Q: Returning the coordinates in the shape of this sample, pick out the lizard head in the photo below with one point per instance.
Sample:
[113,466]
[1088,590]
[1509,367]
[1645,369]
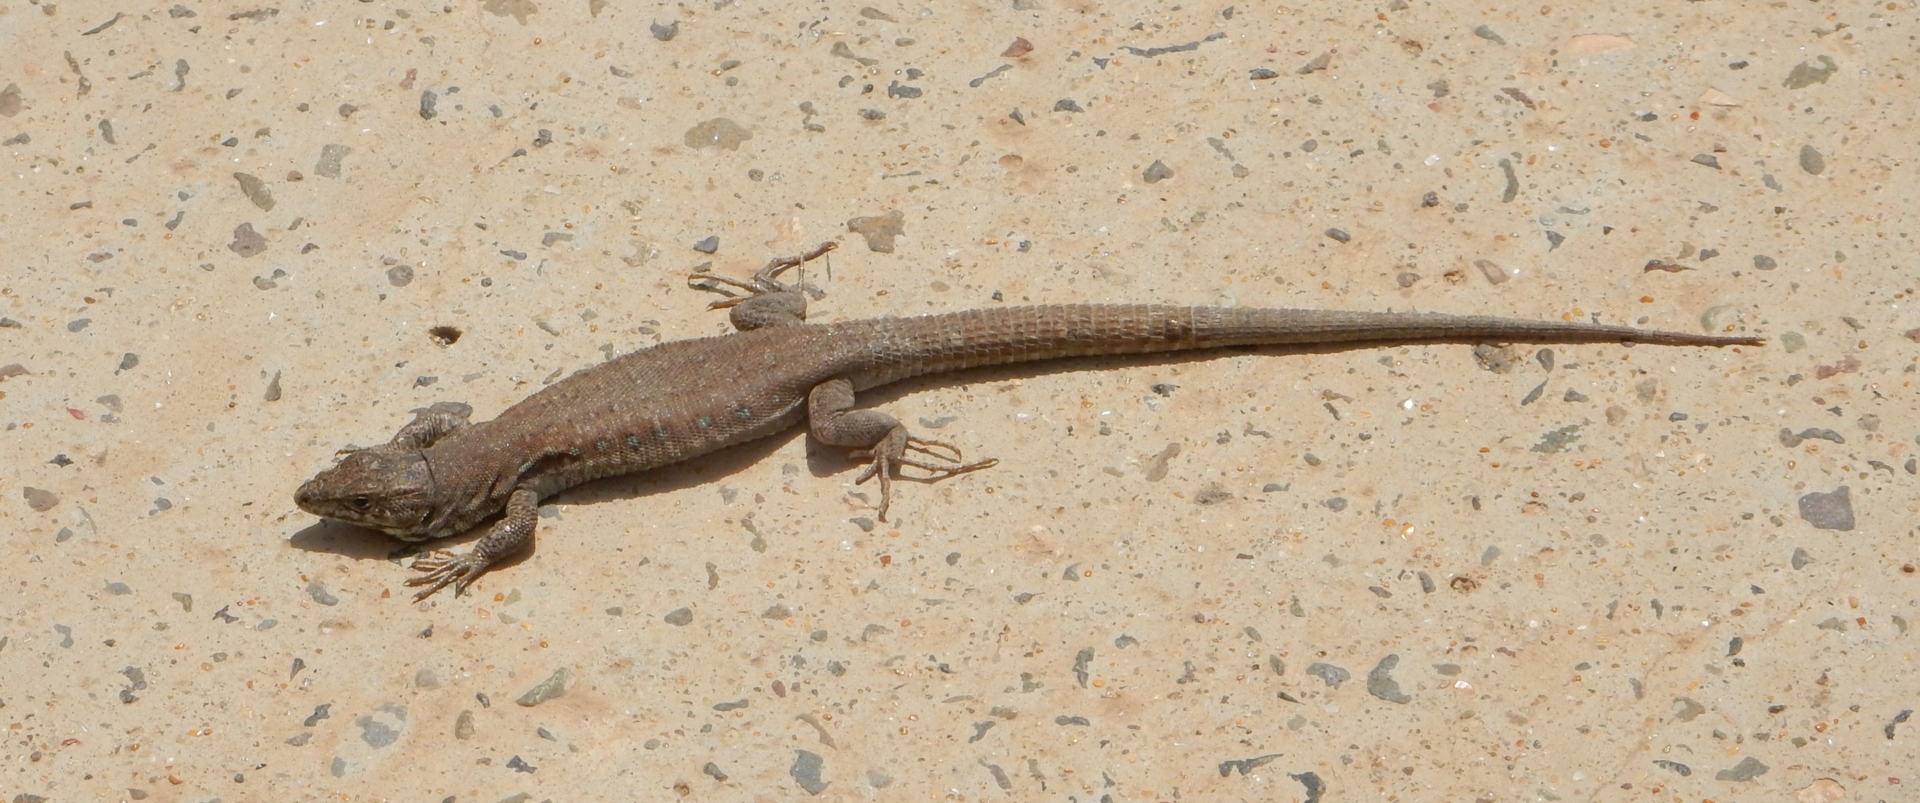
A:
[382,488]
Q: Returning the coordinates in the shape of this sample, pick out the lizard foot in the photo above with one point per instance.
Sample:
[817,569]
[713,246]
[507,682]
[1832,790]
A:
[890,454]
[765,282]
[445,568]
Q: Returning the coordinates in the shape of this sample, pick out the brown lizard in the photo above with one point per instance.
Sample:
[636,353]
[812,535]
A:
[440,475]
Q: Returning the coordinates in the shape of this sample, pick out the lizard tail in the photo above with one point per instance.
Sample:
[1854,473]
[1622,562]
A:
[937,343]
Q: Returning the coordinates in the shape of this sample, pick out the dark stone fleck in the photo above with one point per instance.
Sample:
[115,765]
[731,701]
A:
[1748,769]
[1380,682]
[554,686]
[1245,765]
[806,772]
[246,241]
[1805,74]
[1329,674]
[1800,558]
[255,190]
[880,231]
[39,499]
[1829,511]
[1212,496]
[1811,160]
[320,594]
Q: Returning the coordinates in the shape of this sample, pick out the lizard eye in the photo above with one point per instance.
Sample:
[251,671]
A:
[360,503]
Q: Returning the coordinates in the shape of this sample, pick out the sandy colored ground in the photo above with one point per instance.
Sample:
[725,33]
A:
[235,237]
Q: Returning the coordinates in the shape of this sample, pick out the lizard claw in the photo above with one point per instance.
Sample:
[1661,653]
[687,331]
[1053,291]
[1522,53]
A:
[766,281]
[883,465]
[445,568]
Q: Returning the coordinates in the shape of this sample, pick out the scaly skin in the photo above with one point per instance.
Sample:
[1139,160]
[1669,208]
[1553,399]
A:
[441,475]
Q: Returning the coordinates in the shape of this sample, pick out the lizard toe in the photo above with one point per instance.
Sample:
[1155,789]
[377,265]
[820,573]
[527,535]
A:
[444,568]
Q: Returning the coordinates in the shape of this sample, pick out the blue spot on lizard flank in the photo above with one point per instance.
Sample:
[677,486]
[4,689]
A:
[742,412]
[633,441]
[705,422]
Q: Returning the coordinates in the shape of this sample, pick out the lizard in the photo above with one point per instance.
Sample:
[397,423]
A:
[442,475]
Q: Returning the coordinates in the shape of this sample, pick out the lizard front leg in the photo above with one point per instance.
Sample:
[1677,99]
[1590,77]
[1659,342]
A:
[512,533]
[877,437]
[430,425]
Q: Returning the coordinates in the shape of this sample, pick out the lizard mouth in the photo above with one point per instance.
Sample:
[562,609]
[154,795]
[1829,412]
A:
[310,499]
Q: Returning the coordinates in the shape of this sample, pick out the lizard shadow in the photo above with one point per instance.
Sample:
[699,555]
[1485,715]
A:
[354,541]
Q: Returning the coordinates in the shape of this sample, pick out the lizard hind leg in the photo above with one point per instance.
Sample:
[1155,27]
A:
[768,301]
[878,438]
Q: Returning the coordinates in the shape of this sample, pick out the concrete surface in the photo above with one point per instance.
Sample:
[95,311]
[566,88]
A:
[237,235]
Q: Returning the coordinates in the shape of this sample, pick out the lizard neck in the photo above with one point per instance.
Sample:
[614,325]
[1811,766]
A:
[470,486]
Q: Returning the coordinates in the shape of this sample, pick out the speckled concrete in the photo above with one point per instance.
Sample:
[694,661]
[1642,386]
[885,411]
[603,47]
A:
[236,237]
